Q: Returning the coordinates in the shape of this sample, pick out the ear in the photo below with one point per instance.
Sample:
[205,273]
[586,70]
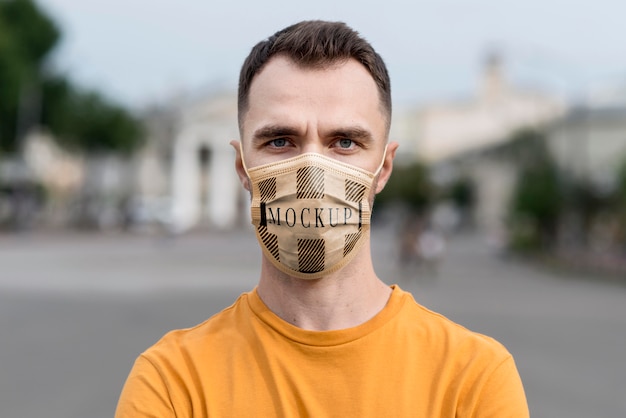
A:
[241,172]
[387,168]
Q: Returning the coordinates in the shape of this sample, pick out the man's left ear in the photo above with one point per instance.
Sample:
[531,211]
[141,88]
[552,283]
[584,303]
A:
[387,168]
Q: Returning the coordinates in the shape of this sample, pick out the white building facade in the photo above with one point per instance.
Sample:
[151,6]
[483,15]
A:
[189,163]
[447,130]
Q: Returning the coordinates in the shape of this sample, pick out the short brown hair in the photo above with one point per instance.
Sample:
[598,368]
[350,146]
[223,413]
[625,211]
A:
[315,44]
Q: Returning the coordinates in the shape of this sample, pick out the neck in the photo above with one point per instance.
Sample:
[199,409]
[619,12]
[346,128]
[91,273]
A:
[344,299]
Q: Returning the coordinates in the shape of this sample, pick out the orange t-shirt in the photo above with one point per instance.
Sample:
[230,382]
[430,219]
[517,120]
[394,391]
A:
[246,362]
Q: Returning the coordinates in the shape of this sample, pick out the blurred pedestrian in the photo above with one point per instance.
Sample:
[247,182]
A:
[408,241]
[432,248]
[321,335]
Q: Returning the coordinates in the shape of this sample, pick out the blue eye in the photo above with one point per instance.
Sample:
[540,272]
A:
[345,143]
[278,142]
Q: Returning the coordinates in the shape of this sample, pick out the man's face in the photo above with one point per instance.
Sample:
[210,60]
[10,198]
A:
[333,111]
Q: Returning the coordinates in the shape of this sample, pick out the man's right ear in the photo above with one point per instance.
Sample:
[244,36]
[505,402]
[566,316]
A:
[241,172]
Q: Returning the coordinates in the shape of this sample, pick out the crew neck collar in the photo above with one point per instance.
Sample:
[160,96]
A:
[326,338]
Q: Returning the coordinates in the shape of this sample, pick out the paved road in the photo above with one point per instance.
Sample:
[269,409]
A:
[76,310]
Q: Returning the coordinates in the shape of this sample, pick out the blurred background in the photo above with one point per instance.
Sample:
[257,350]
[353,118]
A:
[121,216]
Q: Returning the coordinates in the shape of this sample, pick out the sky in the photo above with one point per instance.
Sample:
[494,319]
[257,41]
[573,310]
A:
[141,52]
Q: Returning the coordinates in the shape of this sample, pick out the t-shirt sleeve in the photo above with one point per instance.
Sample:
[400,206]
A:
[144,394]
[502,395]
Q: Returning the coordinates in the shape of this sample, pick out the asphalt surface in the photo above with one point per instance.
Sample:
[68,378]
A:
[75,311]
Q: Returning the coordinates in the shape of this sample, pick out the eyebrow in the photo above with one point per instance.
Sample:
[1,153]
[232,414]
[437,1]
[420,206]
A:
[275,131]
[353,132]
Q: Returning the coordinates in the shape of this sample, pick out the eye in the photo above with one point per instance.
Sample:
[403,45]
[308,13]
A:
[278,142]
[345,143]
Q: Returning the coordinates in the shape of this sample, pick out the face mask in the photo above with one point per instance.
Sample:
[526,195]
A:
[311,213]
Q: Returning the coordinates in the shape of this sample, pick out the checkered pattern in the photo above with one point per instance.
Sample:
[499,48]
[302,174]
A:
[311,253]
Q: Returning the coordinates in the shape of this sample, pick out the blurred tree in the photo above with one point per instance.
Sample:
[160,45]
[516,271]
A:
[410,186]
[621,204]
[621,186]
[526,148]
[35,33]
[536,202]
[86,121]
[410,190]
[27,36]
[588,202]
[463,193]
[30,94]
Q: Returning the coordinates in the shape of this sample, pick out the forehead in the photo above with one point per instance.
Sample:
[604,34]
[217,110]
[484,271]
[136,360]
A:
[284,89]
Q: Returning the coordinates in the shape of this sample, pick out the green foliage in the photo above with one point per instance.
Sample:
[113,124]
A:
[537,194]
[537,198]
[34,33]
[620,203]
[408,185]
[81,120]
[27,36]
[463,193]
[621,187]
[11,71]
[87,121]
[526,148]
[585,199]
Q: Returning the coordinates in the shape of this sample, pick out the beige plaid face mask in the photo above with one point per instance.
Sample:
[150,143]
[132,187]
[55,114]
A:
[311,213]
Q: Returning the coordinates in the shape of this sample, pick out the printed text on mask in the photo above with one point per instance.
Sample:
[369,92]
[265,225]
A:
[308,217]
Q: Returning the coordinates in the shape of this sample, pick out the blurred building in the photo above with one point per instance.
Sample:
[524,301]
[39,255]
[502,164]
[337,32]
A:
[447,130]
[589,143]
[36,184]
[185,173]
[59,172]
[455,137]
[183,177]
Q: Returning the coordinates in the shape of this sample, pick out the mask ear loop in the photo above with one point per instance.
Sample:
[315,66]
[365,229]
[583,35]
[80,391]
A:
[380,167]
[243,161]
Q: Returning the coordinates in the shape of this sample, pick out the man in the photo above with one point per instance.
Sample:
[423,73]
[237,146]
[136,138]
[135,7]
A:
[321,335]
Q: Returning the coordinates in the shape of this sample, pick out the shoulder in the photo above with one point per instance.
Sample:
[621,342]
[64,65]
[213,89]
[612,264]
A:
[224,325]
[480,372]
[447,336]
